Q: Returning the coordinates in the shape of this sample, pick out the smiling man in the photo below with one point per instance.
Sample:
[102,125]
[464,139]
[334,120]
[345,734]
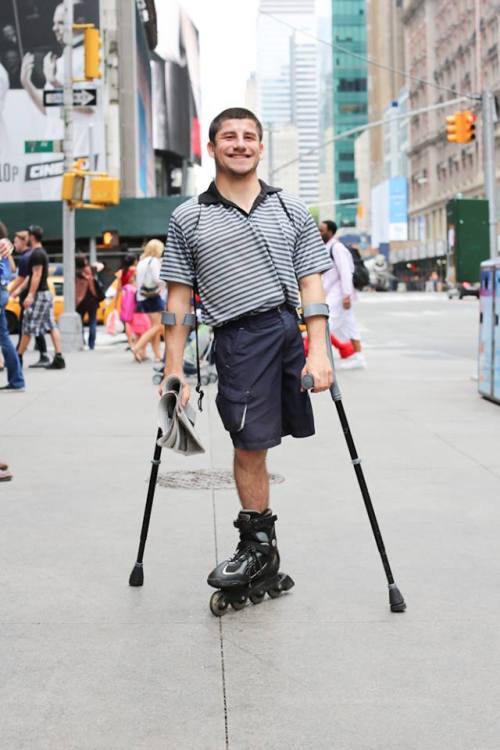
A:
[251,249]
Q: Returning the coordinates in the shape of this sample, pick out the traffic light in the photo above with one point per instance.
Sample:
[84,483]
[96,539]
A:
[469,126]
[92,49]
[455,128]
[72,187]
[461,127]
[110,238]
[105,191]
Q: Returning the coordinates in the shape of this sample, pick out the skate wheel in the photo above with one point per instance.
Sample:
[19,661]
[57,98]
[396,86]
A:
[239,603]
[275,592]
[212,378]
[257,597]
[218,604]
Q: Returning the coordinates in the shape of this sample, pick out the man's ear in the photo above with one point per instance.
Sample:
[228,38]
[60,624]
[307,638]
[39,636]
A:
[211,149]
[261,150]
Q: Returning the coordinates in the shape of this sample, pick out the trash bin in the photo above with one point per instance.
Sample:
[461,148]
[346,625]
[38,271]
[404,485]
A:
[489,331]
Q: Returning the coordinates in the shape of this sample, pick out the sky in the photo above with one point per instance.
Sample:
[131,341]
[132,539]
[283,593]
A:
[228,55]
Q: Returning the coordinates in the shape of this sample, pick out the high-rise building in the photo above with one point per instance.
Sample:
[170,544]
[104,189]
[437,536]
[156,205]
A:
[350,97]
[456,46]
[288,89]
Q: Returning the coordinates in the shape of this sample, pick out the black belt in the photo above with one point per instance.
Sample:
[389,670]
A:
[284,307]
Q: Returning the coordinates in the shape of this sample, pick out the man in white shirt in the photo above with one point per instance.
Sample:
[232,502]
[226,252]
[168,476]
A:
[340,295]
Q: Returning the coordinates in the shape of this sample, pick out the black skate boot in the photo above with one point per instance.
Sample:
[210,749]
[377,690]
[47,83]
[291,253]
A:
[253,570]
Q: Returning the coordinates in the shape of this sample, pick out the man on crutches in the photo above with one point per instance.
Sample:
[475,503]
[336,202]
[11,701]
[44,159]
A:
[254,253]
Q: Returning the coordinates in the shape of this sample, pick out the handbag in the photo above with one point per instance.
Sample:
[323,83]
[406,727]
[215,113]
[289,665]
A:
[99,290]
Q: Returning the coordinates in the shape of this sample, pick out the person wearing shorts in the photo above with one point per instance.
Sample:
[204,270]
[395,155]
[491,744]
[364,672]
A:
[253,251]
[38,315]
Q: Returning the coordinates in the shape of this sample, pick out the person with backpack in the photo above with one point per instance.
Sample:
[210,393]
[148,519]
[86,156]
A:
[338,283]
[15,377]
[251,251]
[150,298]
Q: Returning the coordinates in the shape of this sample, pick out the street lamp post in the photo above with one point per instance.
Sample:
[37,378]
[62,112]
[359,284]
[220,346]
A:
[69,323]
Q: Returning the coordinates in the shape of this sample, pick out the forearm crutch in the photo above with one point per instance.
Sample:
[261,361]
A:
[137,575]
[396,600]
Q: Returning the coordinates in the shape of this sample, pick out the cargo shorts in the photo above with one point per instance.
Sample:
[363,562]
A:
[259,360]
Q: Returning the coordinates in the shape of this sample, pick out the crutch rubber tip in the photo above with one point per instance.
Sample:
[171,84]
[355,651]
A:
[136,576]
[396,600]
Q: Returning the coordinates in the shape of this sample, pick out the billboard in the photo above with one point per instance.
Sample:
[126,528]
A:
[31,65]
[389,211]
[176,84]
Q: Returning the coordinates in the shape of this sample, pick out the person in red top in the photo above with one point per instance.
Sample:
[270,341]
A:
[86,300]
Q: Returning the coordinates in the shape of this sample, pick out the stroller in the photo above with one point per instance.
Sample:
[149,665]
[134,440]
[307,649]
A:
[207,359]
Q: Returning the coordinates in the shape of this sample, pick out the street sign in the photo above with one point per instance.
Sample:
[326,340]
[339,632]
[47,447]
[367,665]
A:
[81,97]
[42,147]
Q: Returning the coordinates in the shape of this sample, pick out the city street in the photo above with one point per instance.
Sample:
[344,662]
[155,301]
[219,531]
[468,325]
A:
[89,663]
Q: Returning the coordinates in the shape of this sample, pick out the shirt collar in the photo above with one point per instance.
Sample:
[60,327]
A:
[212,195]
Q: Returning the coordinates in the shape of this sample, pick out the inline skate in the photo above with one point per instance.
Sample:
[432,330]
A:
[253,570]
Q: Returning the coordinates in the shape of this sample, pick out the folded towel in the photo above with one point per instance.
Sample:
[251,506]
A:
[177,422]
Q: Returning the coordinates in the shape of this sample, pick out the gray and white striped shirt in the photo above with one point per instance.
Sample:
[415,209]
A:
[243,263]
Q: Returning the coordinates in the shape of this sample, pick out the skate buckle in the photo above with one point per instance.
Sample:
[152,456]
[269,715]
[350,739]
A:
[356,461]
[156,462]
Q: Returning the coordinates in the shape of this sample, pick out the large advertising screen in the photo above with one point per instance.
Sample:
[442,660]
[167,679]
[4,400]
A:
[31,133]
[176,84]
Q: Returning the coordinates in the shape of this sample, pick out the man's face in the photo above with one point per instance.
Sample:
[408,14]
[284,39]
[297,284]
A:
[237,149]
[20,245]
[325,232]
[58,23]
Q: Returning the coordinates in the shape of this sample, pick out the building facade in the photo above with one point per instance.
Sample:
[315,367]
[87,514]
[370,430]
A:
[454,44]
[350,98]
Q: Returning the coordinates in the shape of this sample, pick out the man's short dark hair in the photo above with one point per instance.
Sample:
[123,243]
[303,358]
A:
[234,113]
[36,231]
[330,225]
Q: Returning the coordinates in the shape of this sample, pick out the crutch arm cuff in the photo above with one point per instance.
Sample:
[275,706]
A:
[316,308]
[169,319]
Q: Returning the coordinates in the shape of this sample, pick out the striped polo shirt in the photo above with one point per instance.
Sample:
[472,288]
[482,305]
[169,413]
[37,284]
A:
[243,263]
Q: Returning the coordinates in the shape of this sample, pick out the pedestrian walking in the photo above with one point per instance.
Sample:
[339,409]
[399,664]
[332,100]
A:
[38,304]
[249,248]
[341,295]
[15,377]
[125,297]
[150,299]
[19,287]
[86,299]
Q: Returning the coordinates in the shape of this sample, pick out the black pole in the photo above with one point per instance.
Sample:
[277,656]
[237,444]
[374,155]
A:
[137,574]
[396,600]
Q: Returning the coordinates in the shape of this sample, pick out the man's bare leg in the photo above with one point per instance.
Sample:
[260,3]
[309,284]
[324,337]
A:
[356,344]
[23,345]
[56,339]
[252,479]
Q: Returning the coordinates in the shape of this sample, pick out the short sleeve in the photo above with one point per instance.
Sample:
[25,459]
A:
[310,254]
[177,264]
[37,258]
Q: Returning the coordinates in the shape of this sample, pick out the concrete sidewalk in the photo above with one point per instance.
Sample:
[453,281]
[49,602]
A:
[89,663]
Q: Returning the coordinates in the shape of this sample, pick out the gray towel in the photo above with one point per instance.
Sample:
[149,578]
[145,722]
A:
[176,422]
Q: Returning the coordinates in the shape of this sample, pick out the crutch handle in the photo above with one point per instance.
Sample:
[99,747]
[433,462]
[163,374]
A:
[307,382]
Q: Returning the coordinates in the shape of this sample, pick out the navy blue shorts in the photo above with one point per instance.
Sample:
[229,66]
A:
[259,360]
[151,304]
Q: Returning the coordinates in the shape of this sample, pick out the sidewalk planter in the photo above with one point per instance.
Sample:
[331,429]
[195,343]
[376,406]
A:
[489,331]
